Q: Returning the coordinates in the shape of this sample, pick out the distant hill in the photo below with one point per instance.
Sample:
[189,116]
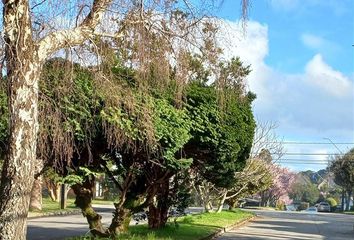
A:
[315,177]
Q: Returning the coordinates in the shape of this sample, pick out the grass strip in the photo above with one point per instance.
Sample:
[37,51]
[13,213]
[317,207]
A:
[192,227]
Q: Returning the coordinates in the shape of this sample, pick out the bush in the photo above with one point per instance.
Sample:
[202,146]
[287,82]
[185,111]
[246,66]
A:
[303,206]
[333,203]
[280,205]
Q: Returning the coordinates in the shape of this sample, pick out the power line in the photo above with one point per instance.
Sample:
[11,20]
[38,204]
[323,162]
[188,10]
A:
[316,154]
[299,163]
[302,159]
[313,143]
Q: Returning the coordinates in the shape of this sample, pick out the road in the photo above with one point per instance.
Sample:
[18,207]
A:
[61,227]
[275,225]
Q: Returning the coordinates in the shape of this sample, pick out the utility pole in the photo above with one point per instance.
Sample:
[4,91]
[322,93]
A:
[340,151]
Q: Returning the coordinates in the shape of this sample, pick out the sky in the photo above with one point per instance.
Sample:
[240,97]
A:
[302,58]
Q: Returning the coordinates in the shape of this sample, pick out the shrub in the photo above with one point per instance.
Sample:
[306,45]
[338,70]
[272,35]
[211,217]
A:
[303,206]
[333,203]
[280,205]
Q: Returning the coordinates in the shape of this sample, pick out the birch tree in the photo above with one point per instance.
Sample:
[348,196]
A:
[24,57]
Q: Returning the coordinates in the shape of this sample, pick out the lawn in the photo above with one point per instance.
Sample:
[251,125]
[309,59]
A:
[193,227]
[50,206]
[349,212]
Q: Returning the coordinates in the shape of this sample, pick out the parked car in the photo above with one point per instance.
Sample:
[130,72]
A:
[323,207]
[311,210]
[290,208]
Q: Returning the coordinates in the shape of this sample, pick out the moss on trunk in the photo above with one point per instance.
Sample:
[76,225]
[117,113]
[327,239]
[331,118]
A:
[83,201]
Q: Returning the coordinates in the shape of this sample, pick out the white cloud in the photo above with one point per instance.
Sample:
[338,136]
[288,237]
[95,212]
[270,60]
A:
[320,44]
[251,46]
[326,78]
[312,41]
[315,103]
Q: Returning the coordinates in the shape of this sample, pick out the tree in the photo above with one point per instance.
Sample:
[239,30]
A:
[343,170]
[24,57]
[303,190]
[266,144]
[222,132]
[282,182]
[25,53]
[255,177]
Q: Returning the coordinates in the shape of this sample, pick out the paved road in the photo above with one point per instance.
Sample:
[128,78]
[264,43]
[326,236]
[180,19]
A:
[61,227]
[274,225]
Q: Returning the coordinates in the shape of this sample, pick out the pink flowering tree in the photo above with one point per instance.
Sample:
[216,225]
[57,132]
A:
[283,179]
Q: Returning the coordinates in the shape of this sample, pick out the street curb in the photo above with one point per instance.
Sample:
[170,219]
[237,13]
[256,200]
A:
[57,213]
[228,228]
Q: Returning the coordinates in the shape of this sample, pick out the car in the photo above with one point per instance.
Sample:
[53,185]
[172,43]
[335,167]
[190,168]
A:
[290,208]
[323,207]
[311,210]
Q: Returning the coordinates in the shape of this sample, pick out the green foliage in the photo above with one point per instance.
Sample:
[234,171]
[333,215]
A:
[172,127]
[343,169]
[303,206]
[79,176]
[331,201]
[304,191]
[121,119]
[222,136]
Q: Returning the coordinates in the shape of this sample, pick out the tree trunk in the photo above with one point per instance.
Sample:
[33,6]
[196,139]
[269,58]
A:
[158,216]
[121,220]
[24,60]
[208,206]
[83,200]
[36,195]
[221,202]
[53,189]
[23,71]
[158,210]
[343,196]
[232,203]
[349,195]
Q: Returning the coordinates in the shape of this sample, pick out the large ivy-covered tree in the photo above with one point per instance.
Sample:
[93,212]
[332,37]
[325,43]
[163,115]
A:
[223,124]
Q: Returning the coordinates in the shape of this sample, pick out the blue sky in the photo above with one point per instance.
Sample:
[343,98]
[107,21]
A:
[303,70]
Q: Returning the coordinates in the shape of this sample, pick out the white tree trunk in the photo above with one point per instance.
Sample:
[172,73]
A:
[24,59]
[23,71]
[221,202]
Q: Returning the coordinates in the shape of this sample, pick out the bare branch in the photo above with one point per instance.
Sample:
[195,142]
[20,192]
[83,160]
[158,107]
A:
[67,38]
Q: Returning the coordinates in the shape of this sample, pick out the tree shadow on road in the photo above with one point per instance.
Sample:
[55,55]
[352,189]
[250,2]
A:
[293,227]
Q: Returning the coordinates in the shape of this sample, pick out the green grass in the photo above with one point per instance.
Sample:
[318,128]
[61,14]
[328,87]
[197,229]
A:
[49,206]
[102,202]
[349,212]
[192,227]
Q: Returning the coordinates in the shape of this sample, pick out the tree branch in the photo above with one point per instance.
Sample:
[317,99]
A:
[64,38]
